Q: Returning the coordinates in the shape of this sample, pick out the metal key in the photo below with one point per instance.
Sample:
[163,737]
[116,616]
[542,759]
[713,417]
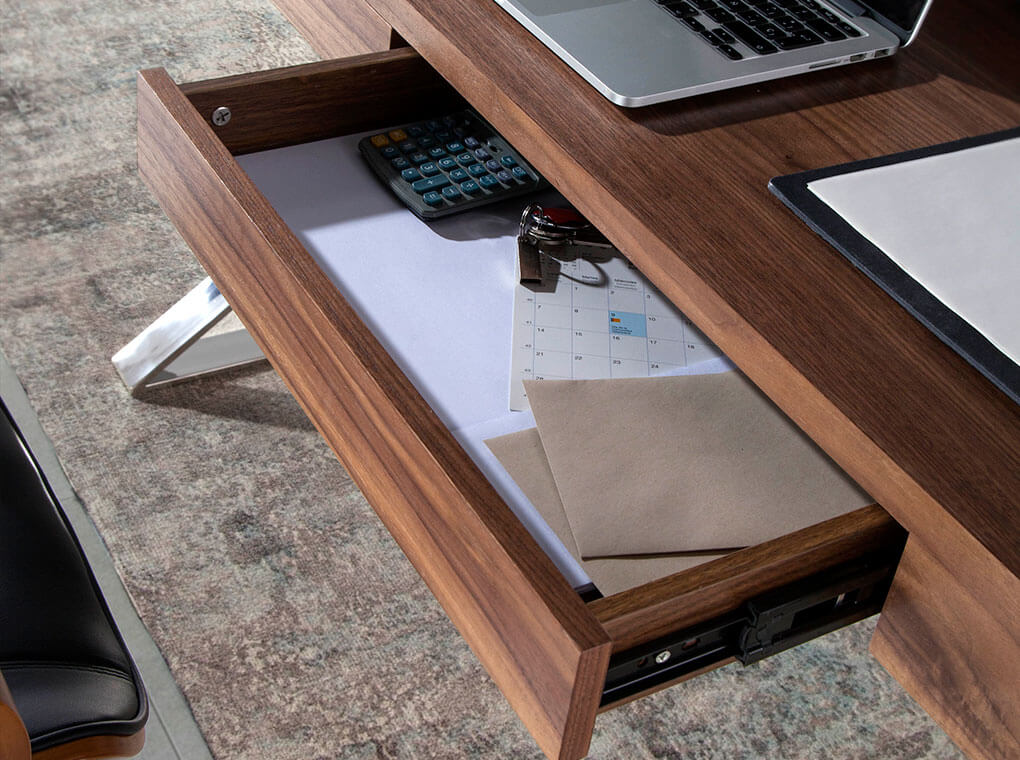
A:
[556,232]
[529,259]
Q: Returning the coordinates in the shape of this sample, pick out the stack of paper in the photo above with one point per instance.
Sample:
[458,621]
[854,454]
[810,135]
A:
[645,477]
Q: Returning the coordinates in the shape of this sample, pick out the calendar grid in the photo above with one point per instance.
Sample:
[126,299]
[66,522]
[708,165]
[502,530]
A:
[592,319]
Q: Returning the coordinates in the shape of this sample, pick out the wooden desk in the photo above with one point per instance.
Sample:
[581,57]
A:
[681,189]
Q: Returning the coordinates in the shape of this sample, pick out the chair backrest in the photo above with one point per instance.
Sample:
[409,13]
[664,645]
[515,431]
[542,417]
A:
[64,662]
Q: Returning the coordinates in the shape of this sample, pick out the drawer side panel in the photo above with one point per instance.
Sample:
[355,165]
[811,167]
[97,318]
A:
[538,641]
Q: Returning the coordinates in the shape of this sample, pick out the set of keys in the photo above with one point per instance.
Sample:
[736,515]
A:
[558,233]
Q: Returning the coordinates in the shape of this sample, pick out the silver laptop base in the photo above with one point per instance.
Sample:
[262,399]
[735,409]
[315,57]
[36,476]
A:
[172,349]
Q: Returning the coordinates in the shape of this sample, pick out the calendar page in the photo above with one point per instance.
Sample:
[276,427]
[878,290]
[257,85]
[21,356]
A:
[597,317]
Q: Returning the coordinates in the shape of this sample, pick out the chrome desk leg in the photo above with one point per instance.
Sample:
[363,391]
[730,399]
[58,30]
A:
[172,348]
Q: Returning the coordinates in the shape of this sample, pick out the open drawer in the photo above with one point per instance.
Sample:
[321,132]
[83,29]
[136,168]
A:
[559,658]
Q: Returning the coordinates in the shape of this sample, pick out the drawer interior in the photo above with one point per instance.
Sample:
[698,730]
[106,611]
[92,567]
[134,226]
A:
[511,590]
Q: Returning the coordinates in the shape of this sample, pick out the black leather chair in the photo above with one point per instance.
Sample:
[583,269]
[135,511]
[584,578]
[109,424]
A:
[70,677]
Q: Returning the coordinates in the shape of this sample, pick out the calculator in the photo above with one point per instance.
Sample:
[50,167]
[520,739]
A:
[449,164]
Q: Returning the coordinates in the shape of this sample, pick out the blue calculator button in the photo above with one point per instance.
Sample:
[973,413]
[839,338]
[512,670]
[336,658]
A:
[443,135]
[432,198]
[449,120]
[454,147]
[447,164]
[504,176]
[466,159]
[471,142]
[418,158]
[488,182]
[519,173]
[470,187]
[477,170]
[482,154]
[410,174]
[400,163]
[508,161]
[408,146]
[430,183]
[458,175]
[429,169]
[492,165]
[437,152]
[415,131]
[451,193]
[426,142]
[432,125]
[390,151]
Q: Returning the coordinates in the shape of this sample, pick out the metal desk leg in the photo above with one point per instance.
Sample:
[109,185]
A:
[172,348]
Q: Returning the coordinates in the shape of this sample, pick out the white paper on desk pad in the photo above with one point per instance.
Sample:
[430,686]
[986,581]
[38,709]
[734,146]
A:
[952,222]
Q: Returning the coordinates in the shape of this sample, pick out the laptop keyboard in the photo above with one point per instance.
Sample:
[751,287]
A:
[763,26]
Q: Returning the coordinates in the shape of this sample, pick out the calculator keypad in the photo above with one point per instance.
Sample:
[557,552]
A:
[450,164]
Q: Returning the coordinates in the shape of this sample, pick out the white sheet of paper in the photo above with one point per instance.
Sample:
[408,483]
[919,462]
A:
[952,222]
[438,296]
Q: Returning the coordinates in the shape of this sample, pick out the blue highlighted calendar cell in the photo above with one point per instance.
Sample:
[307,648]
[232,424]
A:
[627,323]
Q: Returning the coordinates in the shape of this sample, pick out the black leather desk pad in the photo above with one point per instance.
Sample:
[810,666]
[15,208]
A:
[793,190]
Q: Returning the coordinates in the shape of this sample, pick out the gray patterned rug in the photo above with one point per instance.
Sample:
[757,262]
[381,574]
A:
[293,624]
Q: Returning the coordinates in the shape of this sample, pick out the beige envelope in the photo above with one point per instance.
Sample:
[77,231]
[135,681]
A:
[679,464]
[522,455]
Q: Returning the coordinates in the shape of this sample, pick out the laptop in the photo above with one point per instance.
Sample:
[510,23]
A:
[639,52]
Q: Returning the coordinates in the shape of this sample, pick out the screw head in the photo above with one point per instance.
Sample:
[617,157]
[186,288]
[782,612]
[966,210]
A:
[221,116]
[662,657]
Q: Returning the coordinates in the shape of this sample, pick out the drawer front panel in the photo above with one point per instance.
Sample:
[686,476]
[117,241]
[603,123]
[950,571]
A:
[722,587]
[542,646]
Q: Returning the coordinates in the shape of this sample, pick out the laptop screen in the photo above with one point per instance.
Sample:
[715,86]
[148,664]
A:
[903,14]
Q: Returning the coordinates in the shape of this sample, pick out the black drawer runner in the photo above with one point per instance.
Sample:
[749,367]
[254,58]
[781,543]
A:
[762,627]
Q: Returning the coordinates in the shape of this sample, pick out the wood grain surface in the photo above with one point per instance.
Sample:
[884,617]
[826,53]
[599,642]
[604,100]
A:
[98,747]
[14,743]
[310,102]
[648,612]
[343,27]
[955,647]
[531,631]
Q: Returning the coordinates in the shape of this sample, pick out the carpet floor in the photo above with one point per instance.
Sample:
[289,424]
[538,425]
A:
[293,624]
